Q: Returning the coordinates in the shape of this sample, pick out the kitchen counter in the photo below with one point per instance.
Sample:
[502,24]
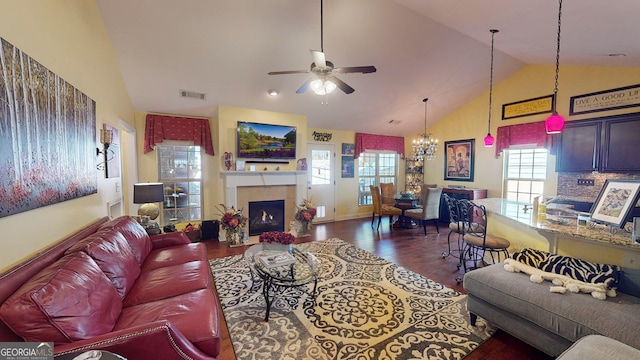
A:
[593,233]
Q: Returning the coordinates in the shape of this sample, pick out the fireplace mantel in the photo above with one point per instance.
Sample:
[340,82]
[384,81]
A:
[235,179]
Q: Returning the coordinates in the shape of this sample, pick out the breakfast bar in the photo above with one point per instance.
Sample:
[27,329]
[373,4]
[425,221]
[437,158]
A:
[564,232]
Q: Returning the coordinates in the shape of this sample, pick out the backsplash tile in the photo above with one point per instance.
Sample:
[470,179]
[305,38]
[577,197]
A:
[568,183]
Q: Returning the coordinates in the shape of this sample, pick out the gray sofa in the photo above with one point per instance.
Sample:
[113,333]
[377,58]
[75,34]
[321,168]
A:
[552,322]
[598,347]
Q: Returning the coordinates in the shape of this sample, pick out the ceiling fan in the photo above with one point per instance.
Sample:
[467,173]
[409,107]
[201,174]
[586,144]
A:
[324,81]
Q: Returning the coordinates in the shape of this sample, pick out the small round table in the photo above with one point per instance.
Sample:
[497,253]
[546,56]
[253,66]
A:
[276,279]
[404,204]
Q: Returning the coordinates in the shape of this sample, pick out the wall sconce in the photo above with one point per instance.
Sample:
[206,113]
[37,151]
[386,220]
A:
[106,138]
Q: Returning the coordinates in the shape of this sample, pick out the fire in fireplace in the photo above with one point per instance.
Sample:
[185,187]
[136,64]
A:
[266,216]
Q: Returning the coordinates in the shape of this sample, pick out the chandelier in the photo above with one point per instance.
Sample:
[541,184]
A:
[425,147]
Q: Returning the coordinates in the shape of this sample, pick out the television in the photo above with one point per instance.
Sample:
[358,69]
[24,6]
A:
[266,141]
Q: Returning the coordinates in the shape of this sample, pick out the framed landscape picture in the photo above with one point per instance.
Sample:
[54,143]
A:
[459,163]
[616,201]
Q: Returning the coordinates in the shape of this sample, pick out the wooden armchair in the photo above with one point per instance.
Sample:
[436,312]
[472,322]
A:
[381,209]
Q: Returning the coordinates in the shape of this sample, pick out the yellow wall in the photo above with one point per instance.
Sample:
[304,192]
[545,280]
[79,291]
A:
[68,38]
[470,121]
[223,134]
[346,188]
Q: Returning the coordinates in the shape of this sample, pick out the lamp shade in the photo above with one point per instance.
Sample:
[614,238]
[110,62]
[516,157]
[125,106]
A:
[148,193]
[488,140]
[554,123]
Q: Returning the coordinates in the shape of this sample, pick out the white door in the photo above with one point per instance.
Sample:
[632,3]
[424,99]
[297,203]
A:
[321,180]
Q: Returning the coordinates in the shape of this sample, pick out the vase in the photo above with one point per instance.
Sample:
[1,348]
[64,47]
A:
[303,228]
[235,236]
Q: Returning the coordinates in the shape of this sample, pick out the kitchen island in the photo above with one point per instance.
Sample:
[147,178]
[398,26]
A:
[595,240]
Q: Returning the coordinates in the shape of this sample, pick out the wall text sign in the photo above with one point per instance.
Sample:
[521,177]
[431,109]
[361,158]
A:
[318,136]
[620,98]
[539,105]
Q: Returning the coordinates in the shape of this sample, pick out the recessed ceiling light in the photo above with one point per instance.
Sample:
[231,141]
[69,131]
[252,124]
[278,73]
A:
[617,55]
[273,92]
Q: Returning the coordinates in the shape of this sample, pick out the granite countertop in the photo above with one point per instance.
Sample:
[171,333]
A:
[513,211]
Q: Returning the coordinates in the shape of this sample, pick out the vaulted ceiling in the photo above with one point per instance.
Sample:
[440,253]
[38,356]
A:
[438,49]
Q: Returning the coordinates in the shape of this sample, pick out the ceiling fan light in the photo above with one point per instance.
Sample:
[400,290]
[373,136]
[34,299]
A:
[554,123]
[488,140]
[321,87]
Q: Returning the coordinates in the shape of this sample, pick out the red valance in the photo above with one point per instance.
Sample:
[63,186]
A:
[378,142]
[524,134]
[160,127]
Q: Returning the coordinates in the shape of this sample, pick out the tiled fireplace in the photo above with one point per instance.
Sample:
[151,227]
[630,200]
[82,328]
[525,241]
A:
[242,187]
[266,216]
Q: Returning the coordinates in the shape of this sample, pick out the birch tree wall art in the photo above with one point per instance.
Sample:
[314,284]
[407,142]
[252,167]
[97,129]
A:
[47,136]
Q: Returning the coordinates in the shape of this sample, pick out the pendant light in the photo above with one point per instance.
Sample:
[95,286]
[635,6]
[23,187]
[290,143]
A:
[488,140]
[555,123]
[425,147]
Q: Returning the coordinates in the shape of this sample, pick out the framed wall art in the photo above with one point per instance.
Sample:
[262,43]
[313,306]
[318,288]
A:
[459,163]
[616,201]
[348,149]
[48,136]
[535,106]
[347,167]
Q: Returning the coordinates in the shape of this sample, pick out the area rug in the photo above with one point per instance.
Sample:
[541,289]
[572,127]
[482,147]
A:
[366,308]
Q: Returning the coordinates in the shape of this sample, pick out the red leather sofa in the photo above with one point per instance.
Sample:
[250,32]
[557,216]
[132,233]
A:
[110,286]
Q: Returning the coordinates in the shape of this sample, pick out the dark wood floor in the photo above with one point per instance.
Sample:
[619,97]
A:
[410,249]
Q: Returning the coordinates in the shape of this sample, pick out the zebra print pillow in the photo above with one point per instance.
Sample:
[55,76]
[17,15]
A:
[531,257]
[574,268]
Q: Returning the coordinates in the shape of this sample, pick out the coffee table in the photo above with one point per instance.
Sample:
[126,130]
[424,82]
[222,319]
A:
[275,280]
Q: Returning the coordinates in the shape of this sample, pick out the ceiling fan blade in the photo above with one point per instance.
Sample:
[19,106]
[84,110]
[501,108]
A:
[319,59]
[355,69]
[288,72]
[341,84]
[304,86]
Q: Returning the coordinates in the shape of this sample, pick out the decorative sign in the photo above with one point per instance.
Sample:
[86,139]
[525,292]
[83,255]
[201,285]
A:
[620,98]
[322,136]
[539,105]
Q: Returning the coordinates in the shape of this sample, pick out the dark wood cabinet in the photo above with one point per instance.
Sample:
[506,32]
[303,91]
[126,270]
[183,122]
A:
[579,147]
[608,144]
[459,193]
[621,149]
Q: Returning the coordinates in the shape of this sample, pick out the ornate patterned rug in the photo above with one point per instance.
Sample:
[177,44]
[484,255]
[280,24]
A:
[366,308]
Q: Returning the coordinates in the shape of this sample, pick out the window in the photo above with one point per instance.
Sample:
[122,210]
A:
[180,170]
[320,167]
[525,173]
[375,168]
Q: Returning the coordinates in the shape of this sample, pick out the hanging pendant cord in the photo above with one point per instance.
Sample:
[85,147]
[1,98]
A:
[321,28]
[555,89]
[425,115]
[493,33]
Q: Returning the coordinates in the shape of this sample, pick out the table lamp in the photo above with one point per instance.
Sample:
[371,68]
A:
[148,194]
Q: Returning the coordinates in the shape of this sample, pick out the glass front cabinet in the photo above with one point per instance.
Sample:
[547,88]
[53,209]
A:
[413,176]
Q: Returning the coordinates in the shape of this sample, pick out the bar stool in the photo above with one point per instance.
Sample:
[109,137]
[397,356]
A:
[476,240]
